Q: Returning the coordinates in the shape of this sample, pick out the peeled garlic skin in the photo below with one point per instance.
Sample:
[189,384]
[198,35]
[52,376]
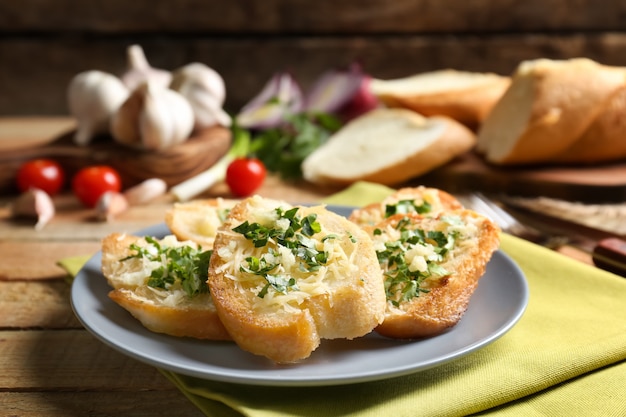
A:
[93,97]
[153,118]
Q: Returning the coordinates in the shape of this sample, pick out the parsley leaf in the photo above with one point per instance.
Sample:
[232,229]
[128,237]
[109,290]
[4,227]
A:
[282,149]
[402,283]
[297,238]
[185,265]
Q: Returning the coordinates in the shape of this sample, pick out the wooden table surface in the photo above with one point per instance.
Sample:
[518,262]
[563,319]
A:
[49,364]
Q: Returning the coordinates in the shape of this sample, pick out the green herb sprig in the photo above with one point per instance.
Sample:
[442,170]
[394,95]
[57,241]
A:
[407,206]
[185,264]
[282,149]
[296,238]
[402,284]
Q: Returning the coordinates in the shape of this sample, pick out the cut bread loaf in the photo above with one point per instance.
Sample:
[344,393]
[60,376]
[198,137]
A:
[432,266]
[461,95]
[605,139]
[198,220]
[387,146]
[283,278]
[172,308]
[422,200]
[548,107]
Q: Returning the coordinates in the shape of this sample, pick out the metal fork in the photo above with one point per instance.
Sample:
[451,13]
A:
[487,207]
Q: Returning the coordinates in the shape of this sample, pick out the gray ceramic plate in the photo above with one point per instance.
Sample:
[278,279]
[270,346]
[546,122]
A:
[495,307]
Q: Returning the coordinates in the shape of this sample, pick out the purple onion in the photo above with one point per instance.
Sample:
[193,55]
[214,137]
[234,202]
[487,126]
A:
[280,97]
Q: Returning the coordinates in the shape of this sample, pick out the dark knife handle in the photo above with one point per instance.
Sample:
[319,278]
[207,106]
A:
[610,255]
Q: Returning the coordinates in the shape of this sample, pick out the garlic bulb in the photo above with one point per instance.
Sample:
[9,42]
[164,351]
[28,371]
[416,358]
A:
[139,70]
[93,96]
[205,90]
[153,118]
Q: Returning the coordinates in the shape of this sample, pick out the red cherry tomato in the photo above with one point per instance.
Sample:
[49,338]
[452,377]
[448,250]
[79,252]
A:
[90,183]
[245,175]
[45,174]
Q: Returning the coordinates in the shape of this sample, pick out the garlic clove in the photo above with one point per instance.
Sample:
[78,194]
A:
[34,203]
[154,118]
[207,110]
[110,204]
[145,191]
[140,71]
[93,97]
[199,76]
[205,90]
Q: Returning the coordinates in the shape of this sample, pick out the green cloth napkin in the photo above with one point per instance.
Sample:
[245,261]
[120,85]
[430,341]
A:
[565,357]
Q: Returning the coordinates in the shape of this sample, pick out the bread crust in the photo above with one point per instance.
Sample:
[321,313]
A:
[434,312]
[351,306]
[194,317]
[325,166]
[374,213]
[469,104]
[605,139]
[546,109]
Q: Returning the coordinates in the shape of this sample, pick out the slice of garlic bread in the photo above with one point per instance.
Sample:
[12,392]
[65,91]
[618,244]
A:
[422,200]
[432,266]
[284,277]
[162,283]
[198,220]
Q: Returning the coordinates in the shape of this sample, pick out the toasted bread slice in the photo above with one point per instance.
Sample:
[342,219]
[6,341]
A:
[432,266]
[316,277]
[198,220]
[171,310]
[422,200]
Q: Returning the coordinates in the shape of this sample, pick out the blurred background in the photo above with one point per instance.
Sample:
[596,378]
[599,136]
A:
[44,43]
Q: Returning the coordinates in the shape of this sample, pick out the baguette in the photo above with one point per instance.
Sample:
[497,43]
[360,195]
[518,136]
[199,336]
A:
[171,310]
[387,146]
[432,266]
[467,97]
[547,108]
[605,139]
[198,220]
[422,200]
[326,284]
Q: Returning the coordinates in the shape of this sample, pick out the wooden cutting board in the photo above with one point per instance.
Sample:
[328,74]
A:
[173,165]
[589,184]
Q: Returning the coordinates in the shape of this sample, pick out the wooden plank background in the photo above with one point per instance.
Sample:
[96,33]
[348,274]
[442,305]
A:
[43,43]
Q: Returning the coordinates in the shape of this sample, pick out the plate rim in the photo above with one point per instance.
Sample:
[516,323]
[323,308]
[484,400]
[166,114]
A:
[249,378]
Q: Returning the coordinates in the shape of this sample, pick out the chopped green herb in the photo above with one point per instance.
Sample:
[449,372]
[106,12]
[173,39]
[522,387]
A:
[296,238]
[185,265]
[402,284]
[282,149]
[407,206]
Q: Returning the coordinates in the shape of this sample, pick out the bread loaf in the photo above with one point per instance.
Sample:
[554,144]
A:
[432,266]
[547,108]
[387,146]
[175,306]
[283,278]
[605,139]
[461,95]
